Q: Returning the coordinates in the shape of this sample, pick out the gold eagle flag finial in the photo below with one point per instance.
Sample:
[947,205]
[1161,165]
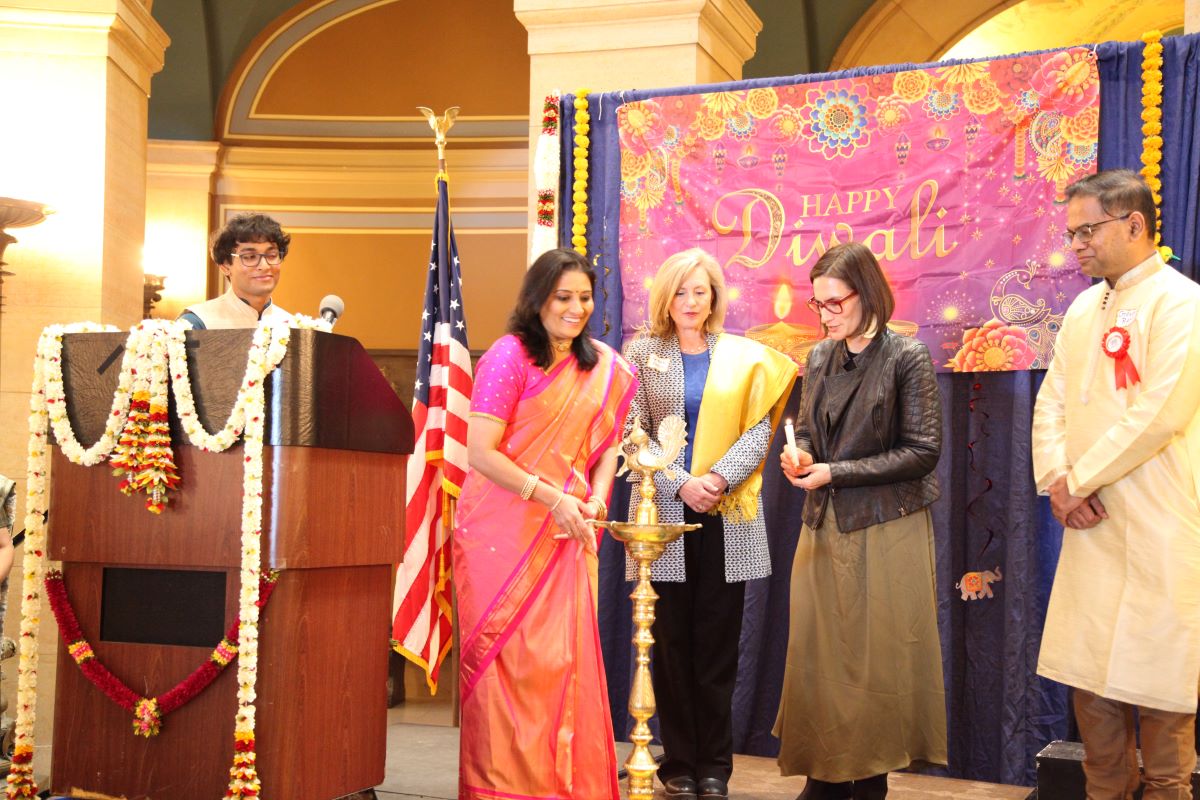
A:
[440,127]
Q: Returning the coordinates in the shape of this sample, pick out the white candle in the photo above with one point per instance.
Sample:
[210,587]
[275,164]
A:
[790,433]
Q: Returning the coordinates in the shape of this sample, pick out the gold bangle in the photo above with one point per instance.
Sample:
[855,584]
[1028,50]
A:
[531,482]
[561,495]
[603,513]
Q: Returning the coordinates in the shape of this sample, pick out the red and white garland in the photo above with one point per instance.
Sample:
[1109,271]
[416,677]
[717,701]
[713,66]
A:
[154,349]
[547,165]
[148,712]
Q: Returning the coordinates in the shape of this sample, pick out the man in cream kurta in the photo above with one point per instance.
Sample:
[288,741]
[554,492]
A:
[1119,456]
[249,251]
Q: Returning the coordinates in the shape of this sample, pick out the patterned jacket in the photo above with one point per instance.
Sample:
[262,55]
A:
[660,394]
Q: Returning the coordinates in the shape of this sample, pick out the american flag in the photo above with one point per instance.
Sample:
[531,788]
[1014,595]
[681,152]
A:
[438,465]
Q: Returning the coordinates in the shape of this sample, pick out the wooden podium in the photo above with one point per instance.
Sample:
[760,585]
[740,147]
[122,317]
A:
[155,593]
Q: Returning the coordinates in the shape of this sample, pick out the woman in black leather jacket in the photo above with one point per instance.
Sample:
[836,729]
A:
[863,692]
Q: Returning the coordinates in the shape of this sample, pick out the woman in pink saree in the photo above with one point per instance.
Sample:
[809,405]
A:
[546,415]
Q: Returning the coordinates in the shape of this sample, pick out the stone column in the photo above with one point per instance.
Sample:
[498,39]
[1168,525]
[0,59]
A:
[180,177]
[604,45]
[1191,16]
[75,91]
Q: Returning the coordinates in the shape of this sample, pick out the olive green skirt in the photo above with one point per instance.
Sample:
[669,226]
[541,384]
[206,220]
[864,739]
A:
[862,690]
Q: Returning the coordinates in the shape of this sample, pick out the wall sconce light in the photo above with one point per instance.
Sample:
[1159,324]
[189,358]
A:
[151,293]
[16,214]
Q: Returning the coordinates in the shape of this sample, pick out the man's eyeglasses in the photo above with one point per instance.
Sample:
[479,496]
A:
[251,259]
[832,305]
[1084,233]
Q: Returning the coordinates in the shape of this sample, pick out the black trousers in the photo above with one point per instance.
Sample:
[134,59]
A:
[696,630]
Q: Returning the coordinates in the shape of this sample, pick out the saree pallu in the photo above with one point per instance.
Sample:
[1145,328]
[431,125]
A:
[535,714]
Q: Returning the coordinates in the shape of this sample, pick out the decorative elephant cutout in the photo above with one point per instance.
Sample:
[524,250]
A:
[978,585]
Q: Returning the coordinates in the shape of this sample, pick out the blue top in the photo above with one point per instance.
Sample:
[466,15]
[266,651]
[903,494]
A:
[695,374]
[197,323]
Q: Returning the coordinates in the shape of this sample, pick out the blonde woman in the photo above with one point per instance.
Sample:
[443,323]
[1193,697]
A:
[731,392]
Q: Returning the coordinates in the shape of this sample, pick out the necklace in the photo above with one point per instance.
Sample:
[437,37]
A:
[561,347]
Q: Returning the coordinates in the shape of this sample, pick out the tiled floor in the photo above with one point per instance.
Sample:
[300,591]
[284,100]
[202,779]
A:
[422,764]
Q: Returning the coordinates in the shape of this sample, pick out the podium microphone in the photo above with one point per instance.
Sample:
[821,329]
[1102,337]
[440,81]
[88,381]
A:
[331,308]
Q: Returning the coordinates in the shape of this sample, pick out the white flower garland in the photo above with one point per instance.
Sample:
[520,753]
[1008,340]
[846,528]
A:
[49,358]
[153,348]
[47,408]
[266,351]
[185,401]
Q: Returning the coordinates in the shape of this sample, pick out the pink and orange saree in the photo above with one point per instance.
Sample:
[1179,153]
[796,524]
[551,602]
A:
[535,715]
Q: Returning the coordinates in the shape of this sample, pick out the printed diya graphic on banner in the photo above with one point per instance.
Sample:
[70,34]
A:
[953,176]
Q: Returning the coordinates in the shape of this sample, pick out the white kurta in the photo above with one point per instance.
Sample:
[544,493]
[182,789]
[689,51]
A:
[230,311]
[1124,615]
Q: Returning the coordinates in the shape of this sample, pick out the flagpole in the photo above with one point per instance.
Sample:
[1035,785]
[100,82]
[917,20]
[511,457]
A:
[441,126]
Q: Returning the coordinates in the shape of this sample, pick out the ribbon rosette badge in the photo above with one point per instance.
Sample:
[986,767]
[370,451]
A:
[1116,346]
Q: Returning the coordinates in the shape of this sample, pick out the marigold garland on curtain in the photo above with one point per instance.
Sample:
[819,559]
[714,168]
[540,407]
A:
[579,196]
[1152,96]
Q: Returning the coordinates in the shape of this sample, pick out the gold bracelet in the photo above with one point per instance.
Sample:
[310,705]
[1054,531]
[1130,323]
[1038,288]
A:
[531,482]
[561,495]
[603,513]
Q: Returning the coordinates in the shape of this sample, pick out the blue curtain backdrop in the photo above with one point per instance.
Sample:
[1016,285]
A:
[1000,713]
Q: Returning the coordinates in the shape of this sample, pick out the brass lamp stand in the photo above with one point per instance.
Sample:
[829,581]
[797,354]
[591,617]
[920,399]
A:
[645,539]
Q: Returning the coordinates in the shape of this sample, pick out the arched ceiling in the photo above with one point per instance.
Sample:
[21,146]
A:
[353,72]
[208,37]
[911,31]
[1041,25]
[800,37]
[903,31]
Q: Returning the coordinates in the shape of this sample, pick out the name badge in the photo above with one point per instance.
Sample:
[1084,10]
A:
[1125,317]
[658,363]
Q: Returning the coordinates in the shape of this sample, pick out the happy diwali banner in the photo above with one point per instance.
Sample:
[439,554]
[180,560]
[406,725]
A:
[953,176]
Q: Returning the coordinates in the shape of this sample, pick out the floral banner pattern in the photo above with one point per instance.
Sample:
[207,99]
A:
[953,176]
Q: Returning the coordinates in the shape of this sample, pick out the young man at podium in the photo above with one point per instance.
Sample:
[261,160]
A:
[249,251]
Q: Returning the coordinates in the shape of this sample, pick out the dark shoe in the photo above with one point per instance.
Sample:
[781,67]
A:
[873,788]
[824,790]
[713,787]
[681,787]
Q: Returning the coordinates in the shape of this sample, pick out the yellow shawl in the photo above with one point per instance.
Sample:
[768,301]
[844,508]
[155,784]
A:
[746,380]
